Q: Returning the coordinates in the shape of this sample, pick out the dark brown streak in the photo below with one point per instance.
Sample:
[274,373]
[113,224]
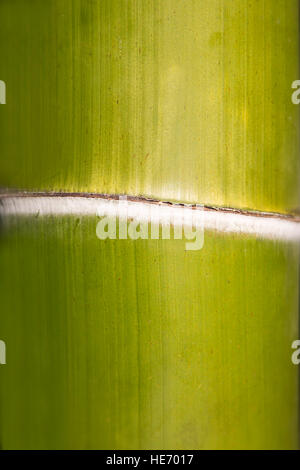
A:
[231,210]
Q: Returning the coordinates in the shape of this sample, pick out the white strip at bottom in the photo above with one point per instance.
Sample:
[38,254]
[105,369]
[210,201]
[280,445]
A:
[262,226]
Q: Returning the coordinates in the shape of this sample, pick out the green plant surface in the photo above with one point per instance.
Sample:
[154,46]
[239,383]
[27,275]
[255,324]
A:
[124,344]
[141,344]
[177,100]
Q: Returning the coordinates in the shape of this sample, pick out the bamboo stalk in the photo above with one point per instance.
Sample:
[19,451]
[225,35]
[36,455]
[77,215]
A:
[141,344]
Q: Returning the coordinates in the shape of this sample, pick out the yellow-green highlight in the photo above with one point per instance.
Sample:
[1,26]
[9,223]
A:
[184,100]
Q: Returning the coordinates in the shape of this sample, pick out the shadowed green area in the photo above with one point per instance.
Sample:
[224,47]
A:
[141,344]
[179,100]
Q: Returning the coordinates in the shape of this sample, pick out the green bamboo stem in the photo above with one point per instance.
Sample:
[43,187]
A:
[141,344]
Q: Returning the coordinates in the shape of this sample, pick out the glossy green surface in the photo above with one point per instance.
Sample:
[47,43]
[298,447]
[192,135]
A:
[184,100]
[141,344]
